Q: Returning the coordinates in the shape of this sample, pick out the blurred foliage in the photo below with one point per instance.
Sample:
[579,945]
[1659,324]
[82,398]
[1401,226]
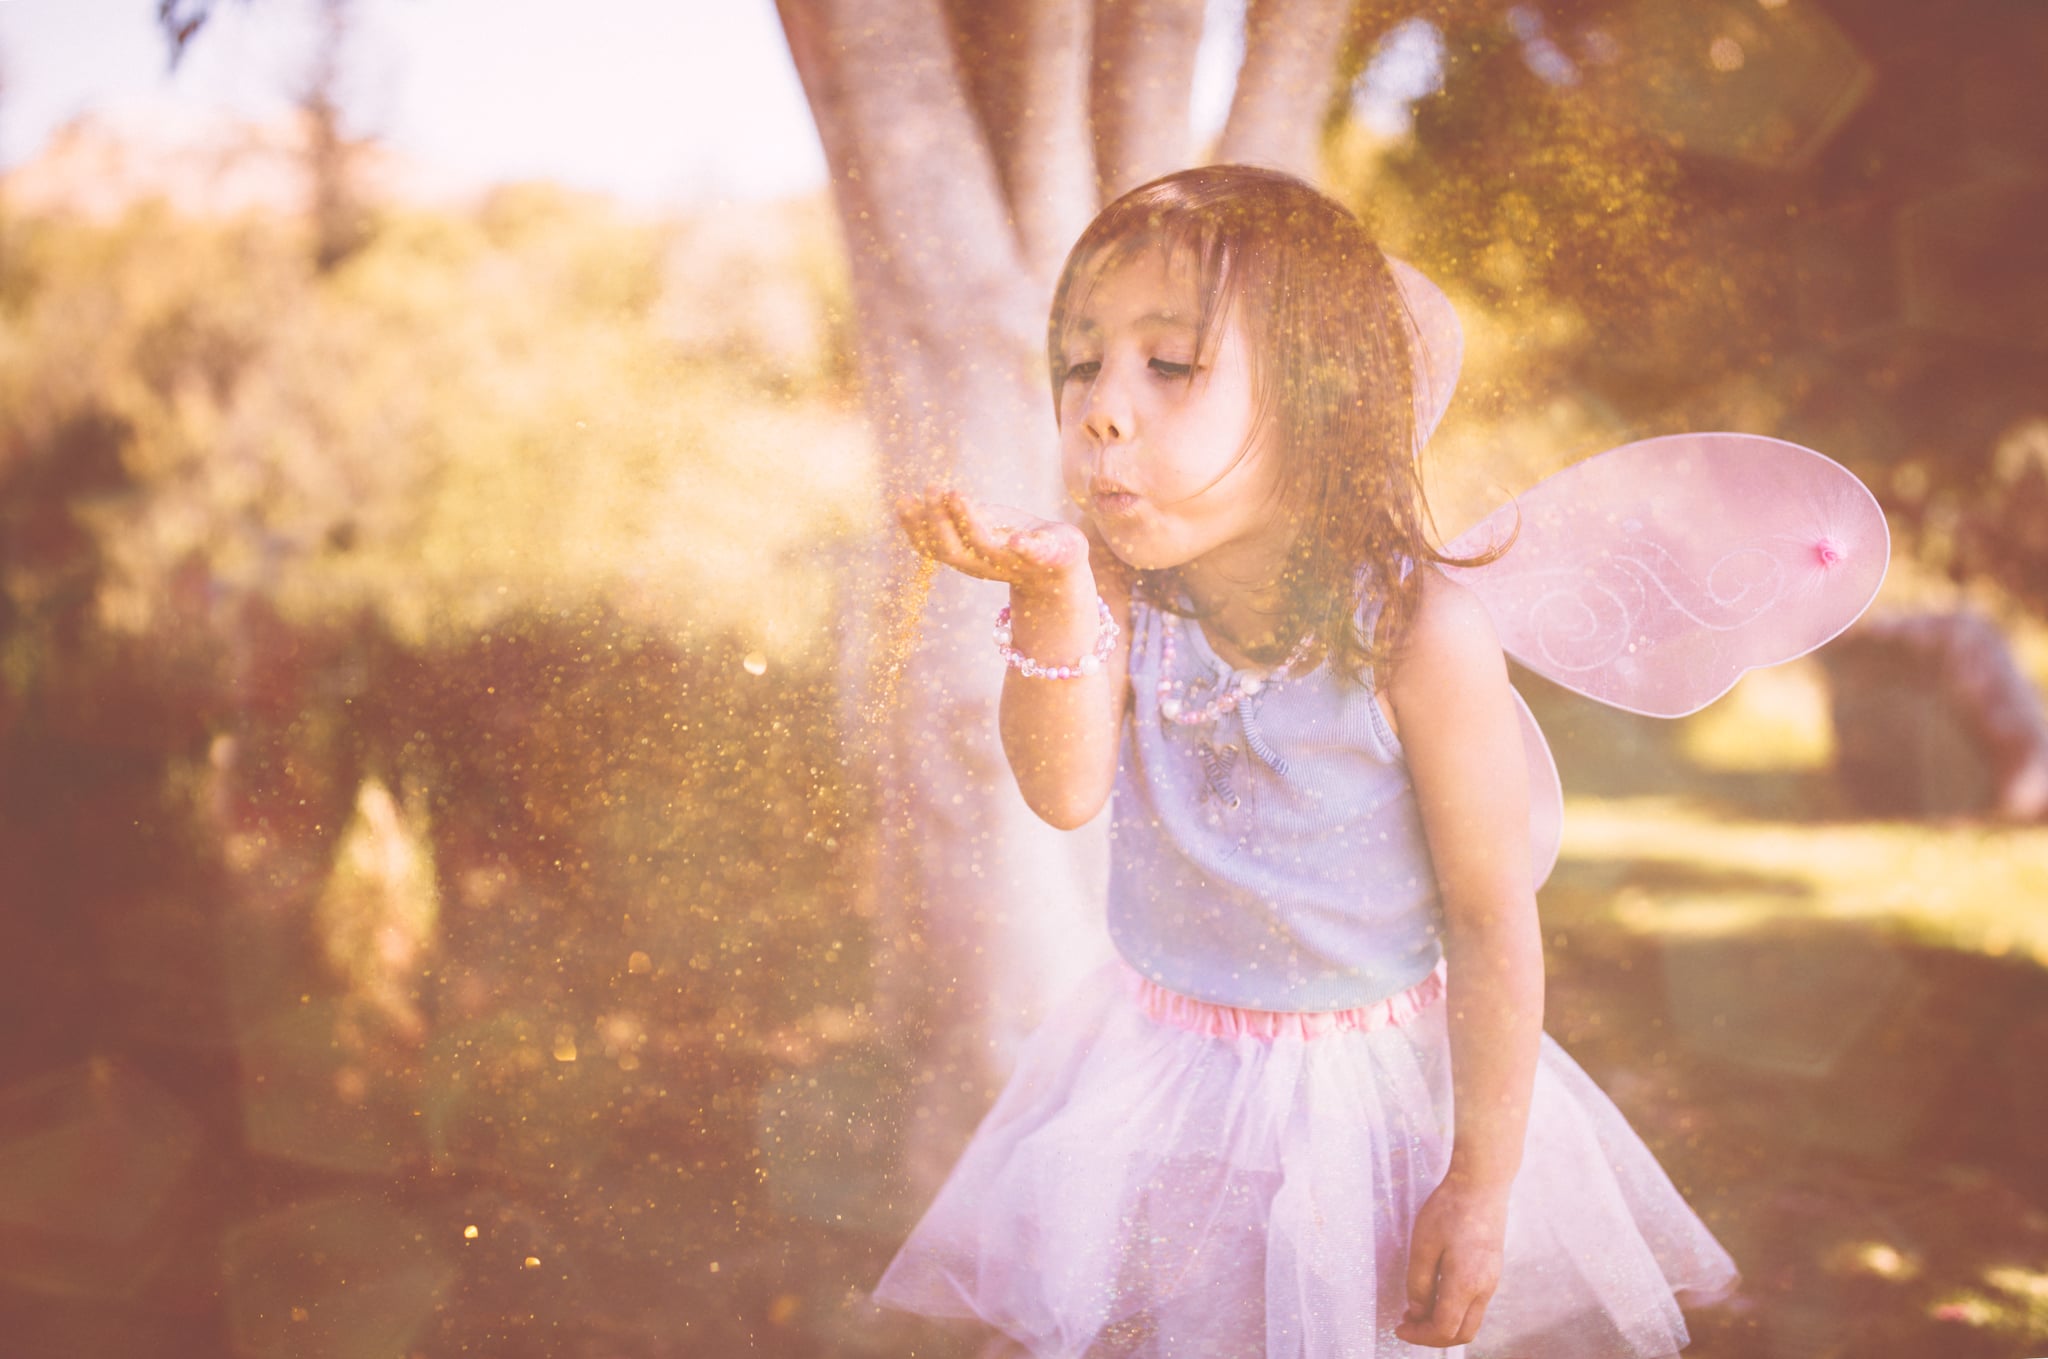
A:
[1819,221]
[419,752]
[1856,871]
[476,413]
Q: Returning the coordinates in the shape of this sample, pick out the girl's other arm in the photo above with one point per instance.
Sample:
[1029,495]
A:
[1060,735]
[1463,741]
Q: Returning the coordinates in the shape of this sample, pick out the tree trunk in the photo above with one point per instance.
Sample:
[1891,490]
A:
[957,133]
[983,910]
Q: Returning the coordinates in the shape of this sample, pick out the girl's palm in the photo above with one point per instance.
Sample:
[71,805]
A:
[992,542]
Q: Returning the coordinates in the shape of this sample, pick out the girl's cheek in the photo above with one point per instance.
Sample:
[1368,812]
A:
[1075,482]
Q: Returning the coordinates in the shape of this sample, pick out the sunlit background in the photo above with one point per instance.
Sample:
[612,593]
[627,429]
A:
[430,445]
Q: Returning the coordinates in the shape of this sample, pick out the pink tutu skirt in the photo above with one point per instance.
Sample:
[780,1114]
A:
[1164,1178]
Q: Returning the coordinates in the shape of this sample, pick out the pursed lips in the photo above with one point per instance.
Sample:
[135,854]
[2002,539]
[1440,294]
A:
[1109,498]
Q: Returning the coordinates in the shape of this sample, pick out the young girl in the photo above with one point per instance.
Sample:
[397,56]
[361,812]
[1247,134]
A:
[1310,1110]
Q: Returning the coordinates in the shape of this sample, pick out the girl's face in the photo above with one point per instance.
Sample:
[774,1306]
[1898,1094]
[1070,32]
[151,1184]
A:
[1157,442]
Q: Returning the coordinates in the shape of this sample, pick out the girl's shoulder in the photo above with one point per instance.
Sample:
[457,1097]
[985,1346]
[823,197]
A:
[1372,586]
[1449,641]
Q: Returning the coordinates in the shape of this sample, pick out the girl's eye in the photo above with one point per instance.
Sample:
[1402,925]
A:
[1166,368]
[1084,371]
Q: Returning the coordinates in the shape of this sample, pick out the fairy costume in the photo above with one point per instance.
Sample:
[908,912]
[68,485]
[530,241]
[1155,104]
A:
[1219,1144]
[1200,1169]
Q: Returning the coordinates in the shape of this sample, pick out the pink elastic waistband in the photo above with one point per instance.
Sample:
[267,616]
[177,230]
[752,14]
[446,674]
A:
[1231,1021]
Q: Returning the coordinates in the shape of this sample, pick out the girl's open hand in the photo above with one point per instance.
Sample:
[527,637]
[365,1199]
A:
[991,542]
[1454,1260]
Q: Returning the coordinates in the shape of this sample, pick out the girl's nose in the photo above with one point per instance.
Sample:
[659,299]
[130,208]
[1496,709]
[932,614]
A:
[1108,417]
[1103,426]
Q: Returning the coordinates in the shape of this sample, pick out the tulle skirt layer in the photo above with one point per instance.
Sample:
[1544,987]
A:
[1164,1179]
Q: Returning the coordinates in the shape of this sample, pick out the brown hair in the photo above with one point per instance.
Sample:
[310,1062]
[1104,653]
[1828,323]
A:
[1331,342]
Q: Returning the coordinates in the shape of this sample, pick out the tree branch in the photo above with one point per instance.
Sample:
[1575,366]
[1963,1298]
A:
[1140,82]
[180,21]
[1024,66]
[1290,69]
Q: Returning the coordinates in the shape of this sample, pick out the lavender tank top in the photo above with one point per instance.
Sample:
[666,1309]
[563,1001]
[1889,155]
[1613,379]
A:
[1274,859]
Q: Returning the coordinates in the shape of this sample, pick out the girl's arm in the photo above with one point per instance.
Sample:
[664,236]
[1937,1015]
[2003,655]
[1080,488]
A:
[1060,736]
[1459,727]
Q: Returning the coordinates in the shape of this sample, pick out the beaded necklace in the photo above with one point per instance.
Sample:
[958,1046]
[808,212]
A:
[1173,707]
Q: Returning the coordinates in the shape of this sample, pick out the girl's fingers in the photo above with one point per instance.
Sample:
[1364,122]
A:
[1425,1330]
[960,514]
[1421,1283]
[912,523]
[1423,1324]
[1460,1301]
[1000,550]
[1469,1327]
[919,528]
[946,545]
[980,538]
[924,520]
[1453,1315]
[950,547]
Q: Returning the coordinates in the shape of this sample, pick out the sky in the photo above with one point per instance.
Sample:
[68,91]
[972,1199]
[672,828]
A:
[655,101]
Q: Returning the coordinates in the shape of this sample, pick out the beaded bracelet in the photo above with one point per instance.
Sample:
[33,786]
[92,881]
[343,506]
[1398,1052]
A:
[1090,664]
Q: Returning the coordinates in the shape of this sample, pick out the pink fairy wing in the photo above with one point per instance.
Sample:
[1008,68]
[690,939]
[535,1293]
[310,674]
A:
[1439,348]
[1652,576]
[1546,796]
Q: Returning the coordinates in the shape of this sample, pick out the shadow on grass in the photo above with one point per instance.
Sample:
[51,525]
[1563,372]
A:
[1860,1118]
[1606,753]
[608,1088]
